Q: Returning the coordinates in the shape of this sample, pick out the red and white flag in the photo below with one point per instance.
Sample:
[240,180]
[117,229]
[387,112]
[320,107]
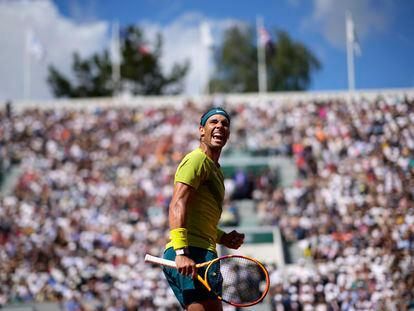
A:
[264,36]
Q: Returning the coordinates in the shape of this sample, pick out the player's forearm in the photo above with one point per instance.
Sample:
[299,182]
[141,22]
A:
[177,215]
[178,230]
[178,206]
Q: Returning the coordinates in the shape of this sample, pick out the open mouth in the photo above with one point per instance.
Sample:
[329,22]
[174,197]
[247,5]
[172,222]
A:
[218,137]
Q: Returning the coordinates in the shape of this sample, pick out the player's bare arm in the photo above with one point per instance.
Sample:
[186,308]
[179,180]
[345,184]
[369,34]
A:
[177,218]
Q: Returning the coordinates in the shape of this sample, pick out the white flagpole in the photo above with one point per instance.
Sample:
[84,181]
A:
[350,51]
[115,57]
[261,58]
[208,43]
[26,66]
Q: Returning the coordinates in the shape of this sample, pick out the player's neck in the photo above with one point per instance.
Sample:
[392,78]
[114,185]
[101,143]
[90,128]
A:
[212,153]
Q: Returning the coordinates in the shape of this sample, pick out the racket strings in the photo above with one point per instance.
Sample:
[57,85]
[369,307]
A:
[237,280]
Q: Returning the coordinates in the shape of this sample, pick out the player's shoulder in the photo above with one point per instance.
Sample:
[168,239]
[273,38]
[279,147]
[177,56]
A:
[196,155]
[195,159]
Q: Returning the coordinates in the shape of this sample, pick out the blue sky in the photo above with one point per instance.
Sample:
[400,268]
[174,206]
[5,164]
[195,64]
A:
[385,30]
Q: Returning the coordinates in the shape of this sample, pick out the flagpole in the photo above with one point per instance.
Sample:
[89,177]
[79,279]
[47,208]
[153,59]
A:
[26,67]
[261,58]
[208,44]
[115,58]
[350,51]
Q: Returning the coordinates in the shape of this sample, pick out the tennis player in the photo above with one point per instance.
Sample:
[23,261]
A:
[194,213]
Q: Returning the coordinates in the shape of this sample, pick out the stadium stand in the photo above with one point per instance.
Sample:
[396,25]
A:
[96,179]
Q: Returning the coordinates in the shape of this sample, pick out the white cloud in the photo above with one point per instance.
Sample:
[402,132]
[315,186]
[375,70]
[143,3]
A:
[60,37]
[328,16]
[82,11]
[182,41]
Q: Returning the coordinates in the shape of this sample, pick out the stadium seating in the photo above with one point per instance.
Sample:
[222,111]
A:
[96,179]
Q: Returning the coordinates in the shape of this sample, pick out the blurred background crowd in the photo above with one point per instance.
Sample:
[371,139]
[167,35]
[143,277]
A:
[93,193]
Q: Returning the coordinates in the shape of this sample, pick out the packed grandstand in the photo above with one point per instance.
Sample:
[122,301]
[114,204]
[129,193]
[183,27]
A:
[95,179]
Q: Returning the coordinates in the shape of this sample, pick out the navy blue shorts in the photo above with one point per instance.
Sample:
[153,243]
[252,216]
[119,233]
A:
[185,288]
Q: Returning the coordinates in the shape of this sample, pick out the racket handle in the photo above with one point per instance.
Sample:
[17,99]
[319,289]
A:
[160,261]
[169,263]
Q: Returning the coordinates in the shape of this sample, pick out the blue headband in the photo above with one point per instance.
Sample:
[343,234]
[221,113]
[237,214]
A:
[212,112]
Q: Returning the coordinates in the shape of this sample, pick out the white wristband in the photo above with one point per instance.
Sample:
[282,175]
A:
[181,251]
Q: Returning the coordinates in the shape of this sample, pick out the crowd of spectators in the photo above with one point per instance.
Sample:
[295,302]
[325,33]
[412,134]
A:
[7,156]
[91,202]
[351,210]
[96,184]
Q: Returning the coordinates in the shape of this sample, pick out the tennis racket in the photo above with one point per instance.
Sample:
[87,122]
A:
[238,280]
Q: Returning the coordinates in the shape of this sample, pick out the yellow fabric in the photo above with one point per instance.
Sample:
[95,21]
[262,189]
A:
[178,238]
[219,235]
[204,210]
